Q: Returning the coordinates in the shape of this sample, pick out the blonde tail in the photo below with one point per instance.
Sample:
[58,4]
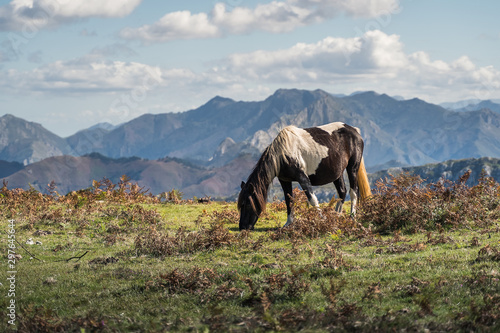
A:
[363,184]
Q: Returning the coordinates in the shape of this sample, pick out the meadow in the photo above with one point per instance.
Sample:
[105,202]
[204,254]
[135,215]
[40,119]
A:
[112,258]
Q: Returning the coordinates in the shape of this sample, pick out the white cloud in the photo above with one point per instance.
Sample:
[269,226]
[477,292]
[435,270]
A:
[356,8]
[176,25]
[274,17]
[89,74]
[372,54]
[374,61]
[30,16]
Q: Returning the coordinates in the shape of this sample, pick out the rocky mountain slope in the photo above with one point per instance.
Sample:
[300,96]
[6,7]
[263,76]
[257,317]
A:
[28,142]
[396,132]
[209,150]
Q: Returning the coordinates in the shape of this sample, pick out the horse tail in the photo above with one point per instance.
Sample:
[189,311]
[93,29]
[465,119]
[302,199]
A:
[363,184]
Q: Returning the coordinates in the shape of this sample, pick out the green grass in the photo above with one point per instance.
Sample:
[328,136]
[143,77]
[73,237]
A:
[334,282]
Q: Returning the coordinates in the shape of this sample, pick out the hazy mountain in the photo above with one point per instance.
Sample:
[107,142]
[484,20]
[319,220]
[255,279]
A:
[209,150]
[495,107]
[197,134]
[88,140]
[460,104]
[409,132]
[415,132]
[27,142]
[105,126]
[396,132]
[473,105]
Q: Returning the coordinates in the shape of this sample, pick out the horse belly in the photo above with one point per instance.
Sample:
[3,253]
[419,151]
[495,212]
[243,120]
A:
[328,170]
[324,175]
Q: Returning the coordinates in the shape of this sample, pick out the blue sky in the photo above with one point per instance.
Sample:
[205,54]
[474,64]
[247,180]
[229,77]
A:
[71,64]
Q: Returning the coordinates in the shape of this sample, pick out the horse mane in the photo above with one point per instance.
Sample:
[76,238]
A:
[266,169]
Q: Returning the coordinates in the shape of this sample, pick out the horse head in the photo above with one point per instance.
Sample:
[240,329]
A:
[248,206]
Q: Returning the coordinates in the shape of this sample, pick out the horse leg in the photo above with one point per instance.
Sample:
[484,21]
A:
[288,191]
[352,174]
[306,185]
[341,190]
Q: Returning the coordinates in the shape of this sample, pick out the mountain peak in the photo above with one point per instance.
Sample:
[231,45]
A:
[219,101]
[11,117]
[295,98]
[291,93]
[105,126]
[366,96]
[365,93]
[7,116]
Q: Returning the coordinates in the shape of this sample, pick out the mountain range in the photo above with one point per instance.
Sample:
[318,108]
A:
[188,149]
[74,173]
[473,105]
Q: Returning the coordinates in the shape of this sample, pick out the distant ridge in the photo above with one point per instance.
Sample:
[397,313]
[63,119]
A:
[396,132]
[473,105]
[449,170]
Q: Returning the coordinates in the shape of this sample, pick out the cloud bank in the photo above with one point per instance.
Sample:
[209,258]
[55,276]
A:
[273,17]
[32,15]
[374,61]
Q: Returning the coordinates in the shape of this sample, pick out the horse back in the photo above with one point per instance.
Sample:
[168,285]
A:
[324,152]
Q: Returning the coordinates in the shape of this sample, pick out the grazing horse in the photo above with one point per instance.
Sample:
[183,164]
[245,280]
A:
[311,156]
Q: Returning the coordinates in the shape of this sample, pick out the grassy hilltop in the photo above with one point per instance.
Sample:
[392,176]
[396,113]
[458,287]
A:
[112,258]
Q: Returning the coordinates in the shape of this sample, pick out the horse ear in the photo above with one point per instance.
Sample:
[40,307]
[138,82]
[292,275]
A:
[242,184]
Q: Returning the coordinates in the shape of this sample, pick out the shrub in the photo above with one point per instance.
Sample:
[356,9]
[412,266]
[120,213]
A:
[404,203]
[160,243]
[310,222]
[33,207]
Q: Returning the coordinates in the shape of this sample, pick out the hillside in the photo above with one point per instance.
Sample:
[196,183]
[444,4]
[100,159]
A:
[111,261]
[9,168]
[74,173]
[397,132]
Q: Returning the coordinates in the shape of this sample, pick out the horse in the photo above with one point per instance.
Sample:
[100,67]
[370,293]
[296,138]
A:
[312,157]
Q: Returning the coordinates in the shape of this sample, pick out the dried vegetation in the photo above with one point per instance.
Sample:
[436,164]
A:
[385,270]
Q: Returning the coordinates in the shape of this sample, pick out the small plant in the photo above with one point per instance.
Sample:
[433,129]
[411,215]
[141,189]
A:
[174,196]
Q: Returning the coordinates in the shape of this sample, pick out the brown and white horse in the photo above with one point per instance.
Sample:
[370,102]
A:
[311,156]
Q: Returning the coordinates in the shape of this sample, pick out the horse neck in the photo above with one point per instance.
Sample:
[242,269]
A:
[268,168]
[262,176]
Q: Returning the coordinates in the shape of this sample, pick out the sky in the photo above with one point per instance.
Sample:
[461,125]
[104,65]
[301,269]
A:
[70,64]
